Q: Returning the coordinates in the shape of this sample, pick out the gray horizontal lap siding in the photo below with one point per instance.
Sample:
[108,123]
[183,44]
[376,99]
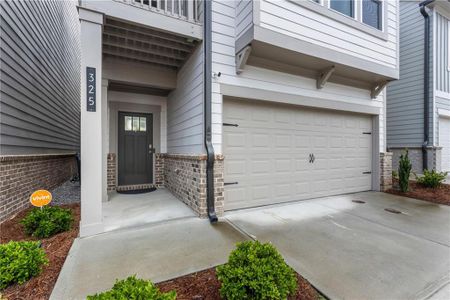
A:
[40,79]
[405,96]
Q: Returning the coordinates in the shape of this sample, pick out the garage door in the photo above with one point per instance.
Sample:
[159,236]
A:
[280,153]
[444,142]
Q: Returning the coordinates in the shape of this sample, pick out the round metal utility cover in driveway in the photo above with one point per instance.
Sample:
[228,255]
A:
[279,153]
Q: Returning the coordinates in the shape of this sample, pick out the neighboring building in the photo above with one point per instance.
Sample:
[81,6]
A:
[39,100]
[284,98]
[425,132]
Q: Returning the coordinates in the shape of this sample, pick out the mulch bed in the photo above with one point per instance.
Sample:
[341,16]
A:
[440,195]
[204,285]
[56,247]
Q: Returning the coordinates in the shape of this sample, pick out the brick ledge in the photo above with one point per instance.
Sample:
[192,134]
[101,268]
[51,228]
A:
[189,156]
[34,156]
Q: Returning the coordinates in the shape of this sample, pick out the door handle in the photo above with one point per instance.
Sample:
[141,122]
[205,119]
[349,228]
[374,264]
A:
[312,158]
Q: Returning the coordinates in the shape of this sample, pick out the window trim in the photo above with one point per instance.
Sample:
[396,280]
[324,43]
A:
[322,8]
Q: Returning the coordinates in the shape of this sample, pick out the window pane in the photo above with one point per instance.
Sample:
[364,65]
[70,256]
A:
[372,13]
[142,124]
[343,6]
[135,123]
[128,121]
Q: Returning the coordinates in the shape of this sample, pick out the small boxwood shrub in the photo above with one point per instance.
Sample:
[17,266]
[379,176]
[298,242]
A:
[133,288]
[404,171]
[256,271]
[47,221]
[19,261]
[431,179]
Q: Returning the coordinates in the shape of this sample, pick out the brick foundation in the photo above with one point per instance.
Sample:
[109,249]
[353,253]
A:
[21,175]
[185,177]
[415,156]
[111,172]
[159,170]
[385,171]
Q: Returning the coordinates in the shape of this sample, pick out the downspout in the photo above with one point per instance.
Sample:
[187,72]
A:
[207,83]
[426,83]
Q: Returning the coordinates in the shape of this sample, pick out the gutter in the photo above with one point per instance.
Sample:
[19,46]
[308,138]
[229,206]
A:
[426,82]
[207,84]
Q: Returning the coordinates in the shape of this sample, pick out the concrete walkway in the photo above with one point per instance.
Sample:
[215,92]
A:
[354,250]
[124,211]
[157,252]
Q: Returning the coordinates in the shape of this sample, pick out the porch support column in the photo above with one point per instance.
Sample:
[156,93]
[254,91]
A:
[105,136]
[92,192]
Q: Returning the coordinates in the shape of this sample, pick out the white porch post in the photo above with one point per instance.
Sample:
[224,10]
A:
[105,136]
[92,192]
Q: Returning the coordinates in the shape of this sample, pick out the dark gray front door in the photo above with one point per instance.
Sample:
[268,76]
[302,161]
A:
[135,148]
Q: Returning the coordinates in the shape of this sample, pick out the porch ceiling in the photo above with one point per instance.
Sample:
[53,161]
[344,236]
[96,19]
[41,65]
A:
[136,43]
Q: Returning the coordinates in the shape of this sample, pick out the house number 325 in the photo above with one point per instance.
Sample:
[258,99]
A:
[90,89]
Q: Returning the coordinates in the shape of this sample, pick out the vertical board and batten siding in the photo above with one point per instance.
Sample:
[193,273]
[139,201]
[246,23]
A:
[405,96]
[40,77]
[442,53]
[185,108]
[224,33]
[296,21]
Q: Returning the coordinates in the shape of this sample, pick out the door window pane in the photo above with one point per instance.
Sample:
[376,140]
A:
[135,123]
[372,13]
[343,6]
[142,124]
[128,123]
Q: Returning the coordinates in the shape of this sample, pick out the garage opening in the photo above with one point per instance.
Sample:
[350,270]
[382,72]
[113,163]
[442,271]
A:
[278,153]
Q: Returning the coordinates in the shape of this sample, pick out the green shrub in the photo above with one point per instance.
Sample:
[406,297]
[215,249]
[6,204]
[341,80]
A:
[404,171]
[19,261]
[47,221]
[431,179]
[133,288]
[256,271]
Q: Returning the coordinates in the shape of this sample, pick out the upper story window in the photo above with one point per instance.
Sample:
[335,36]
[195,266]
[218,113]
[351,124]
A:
[345,7]
[366,15]
[371,13]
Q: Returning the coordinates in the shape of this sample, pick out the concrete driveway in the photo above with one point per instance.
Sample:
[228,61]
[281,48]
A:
[351,250]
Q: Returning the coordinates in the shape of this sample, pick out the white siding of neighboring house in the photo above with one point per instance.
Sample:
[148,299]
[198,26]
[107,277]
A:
[442,70]
[185,108]
[224,34]
[293,20]
[40,77]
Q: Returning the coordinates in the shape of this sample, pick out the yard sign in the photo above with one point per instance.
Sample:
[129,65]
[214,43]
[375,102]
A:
[40,198]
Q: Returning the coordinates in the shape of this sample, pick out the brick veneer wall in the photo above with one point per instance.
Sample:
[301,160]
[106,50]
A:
[415,156]
[159,170]
[21,175]
[111,172]
[385,171]
[185,177]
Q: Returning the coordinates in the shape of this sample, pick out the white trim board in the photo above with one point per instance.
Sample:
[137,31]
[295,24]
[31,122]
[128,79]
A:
[444,112]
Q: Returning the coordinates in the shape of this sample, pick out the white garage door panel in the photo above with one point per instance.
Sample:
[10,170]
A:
[444,142]
[268,153]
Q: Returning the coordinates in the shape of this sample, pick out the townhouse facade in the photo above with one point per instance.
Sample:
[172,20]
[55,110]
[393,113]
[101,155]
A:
[234,104]
[39,98]
[418,104]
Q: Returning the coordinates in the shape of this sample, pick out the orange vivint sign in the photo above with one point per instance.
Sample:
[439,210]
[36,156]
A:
[41,198]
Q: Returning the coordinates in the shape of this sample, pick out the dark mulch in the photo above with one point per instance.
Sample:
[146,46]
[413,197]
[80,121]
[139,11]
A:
[56,247]
[440,195]
[204,285]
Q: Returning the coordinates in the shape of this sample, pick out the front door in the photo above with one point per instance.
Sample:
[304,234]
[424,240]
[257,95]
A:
[135,148]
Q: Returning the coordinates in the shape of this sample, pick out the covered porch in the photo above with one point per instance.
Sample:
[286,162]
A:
[133,80]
